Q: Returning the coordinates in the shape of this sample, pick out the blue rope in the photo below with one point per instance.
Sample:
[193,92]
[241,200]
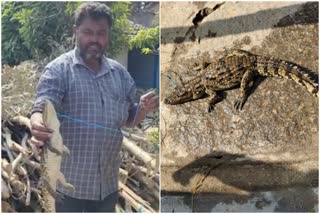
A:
[85,122]
[95,124]
[169,78]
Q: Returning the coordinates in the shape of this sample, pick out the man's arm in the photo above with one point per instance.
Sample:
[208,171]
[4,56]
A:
[137,111]
[149,102]
[51,86]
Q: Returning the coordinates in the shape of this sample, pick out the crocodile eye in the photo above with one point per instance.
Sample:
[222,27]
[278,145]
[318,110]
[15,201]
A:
[180,93]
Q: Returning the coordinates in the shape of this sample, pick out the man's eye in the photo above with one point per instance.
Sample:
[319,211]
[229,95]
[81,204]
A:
[102,33]
[87,33]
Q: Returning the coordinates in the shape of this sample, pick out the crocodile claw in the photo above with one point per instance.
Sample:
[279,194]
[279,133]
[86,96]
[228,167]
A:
[210,108]
[238,105]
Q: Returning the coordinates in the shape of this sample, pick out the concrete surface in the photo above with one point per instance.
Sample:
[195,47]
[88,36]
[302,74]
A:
[272,144]
[291,200]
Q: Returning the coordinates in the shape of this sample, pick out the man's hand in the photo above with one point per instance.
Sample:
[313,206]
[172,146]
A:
[40,133]
[149,102]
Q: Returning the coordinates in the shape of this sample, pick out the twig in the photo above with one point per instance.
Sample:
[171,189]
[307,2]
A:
[136,201]
[139,153]
[24,121]
[16,162]
[5,193]
[13,145]
[6,166]
[28,196]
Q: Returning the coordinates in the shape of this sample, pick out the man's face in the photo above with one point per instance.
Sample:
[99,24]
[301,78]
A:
[92,38]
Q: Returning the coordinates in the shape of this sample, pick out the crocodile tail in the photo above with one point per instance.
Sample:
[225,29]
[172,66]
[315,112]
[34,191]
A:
[303,77]
[288,70]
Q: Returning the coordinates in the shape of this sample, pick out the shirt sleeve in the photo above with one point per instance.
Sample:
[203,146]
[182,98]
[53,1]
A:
[51,86]
[133,106]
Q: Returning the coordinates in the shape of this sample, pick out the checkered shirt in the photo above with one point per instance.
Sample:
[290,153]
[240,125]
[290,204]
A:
[104,98]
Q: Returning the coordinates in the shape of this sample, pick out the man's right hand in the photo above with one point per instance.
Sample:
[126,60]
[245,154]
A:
[40,133]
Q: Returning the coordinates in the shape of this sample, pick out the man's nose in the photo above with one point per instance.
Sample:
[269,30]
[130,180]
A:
[94,37]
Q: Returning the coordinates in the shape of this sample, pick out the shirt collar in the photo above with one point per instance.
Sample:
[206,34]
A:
[105,65]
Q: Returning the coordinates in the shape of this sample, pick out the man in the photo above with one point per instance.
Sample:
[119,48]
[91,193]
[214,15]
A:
[88,87]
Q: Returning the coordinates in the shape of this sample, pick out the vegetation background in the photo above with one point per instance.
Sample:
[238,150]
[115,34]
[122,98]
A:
[36,30]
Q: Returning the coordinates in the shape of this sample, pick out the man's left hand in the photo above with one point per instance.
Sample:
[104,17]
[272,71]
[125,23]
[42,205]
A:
[149,102]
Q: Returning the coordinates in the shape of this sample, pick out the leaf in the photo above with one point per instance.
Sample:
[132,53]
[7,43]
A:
[146,40]
[146,50]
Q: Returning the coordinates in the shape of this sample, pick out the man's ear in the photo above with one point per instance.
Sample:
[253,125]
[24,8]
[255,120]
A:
[74,29]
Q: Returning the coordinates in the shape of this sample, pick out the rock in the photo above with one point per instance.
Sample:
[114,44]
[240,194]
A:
[280,117]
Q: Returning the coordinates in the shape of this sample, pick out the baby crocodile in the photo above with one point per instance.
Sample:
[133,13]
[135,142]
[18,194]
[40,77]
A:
[239,68]
[52,158]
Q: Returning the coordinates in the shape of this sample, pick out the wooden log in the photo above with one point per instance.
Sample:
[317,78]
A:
[155,178]
[133,137]
[136,201]
[33,164]
[132,194]
[13,145]
[136,167]
[140,154]
[24,121]
[7,167]
[123,175]
[150,184]
[17,162]
[28,188]
[5,193]
[6,207]
[143,192]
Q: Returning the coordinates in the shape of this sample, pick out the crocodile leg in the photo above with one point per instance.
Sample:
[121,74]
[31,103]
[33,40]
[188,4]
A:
[65,150]
[64,183]
[245,85]
[58,149]
[44,183]
[53,149]
[215,97]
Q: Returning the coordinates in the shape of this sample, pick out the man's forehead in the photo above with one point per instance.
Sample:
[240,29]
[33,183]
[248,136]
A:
[89,22]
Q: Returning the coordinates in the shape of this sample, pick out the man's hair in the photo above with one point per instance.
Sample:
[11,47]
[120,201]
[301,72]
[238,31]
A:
[94,11]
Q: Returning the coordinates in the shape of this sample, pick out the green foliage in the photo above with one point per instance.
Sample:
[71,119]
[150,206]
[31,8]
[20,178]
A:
[34,30]
[38,26]
[147,40]
[71,7]
[153,136]
[121,27]
[13,49]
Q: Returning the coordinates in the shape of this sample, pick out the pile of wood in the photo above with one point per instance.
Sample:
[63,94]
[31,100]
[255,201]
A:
[139,176]
[21,170]
[18,88]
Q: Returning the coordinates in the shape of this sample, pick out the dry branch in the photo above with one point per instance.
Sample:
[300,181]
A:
[139,153]
[23,121]
[136,201]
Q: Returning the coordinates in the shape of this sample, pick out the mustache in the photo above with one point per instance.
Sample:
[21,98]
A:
[94,44]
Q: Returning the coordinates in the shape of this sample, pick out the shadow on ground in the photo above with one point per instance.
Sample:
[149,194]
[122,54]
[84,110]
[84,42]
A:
[292,188]
[229,169]
[247,23]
